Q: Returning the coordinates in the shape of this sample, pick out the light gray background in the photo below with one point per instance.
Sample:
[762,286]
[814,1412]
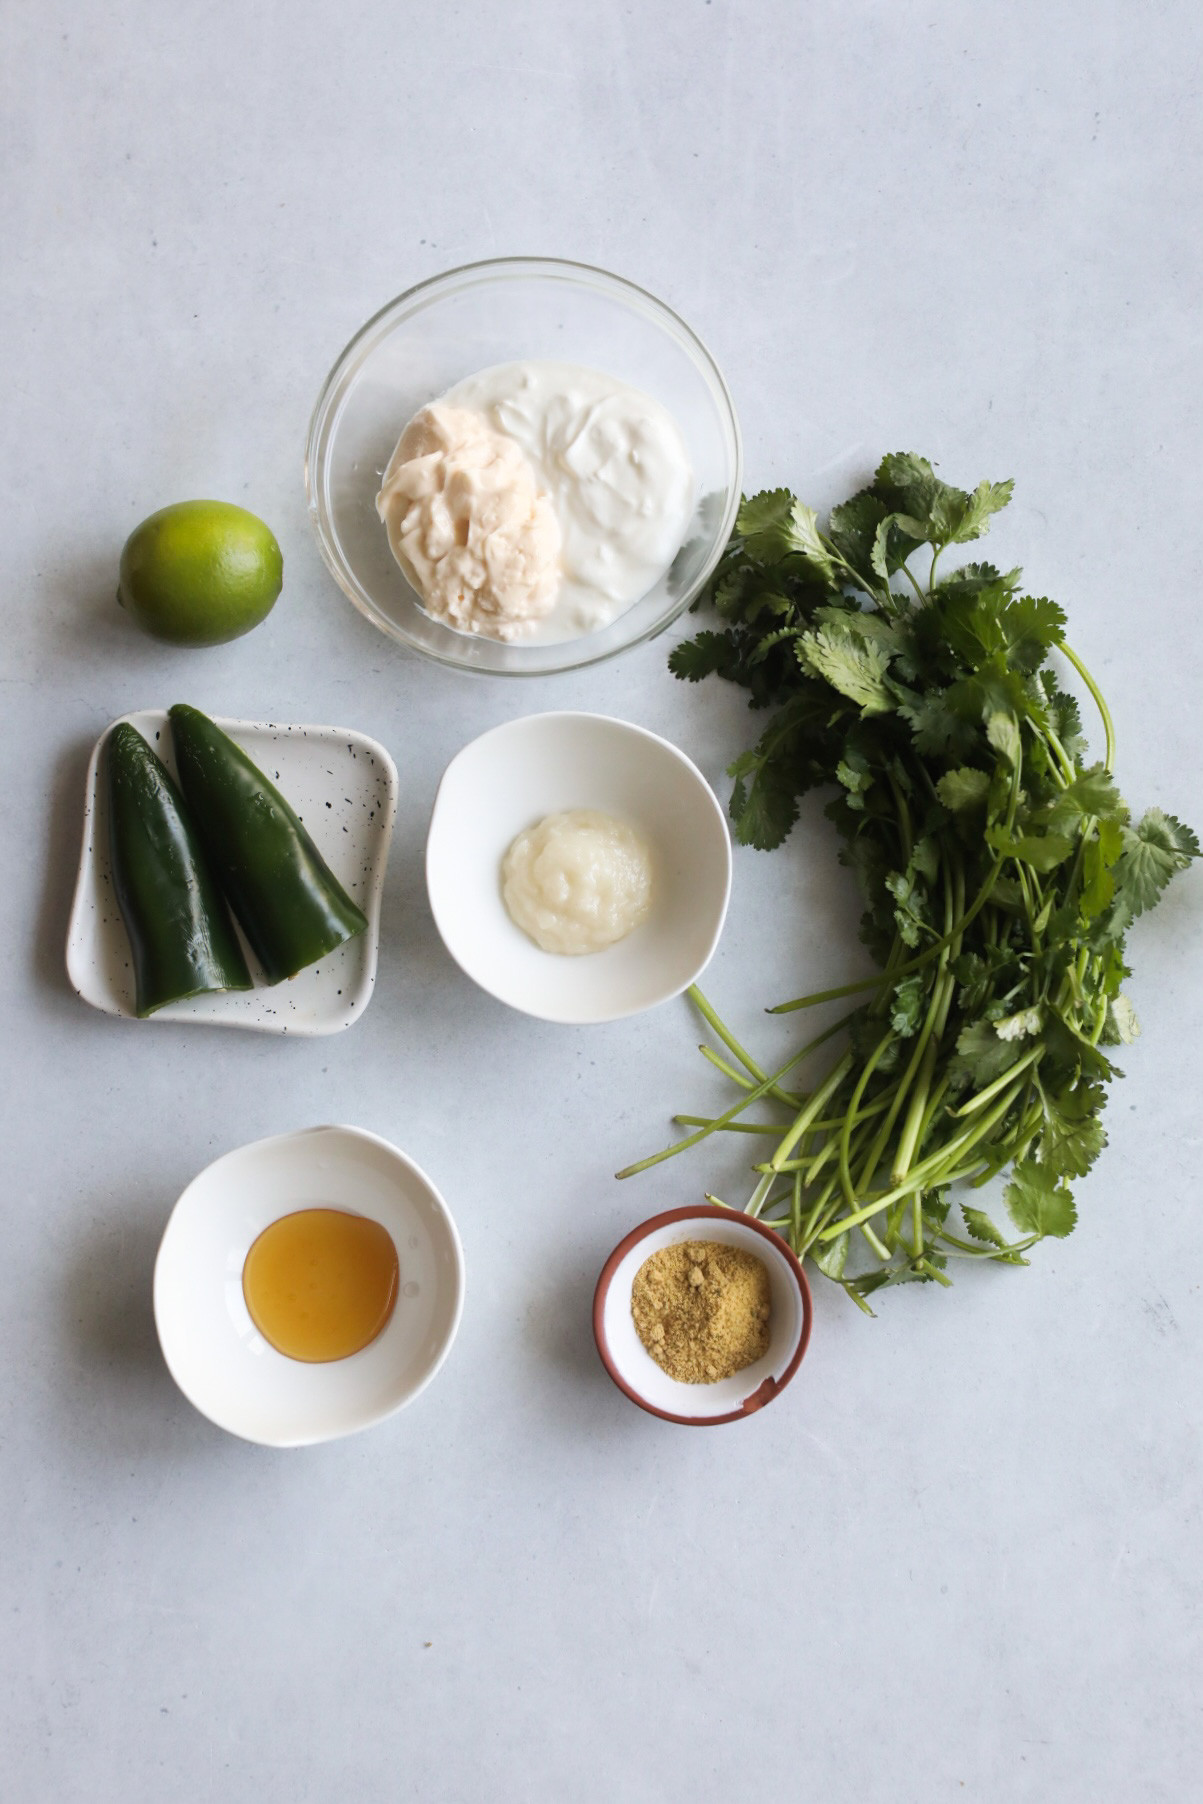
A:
[960,1559]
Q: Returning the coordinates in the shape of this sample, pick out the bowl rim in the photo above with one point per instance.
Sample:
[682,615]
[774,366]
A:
[564,269]
[772,1387]
[628,726]
[457,1252]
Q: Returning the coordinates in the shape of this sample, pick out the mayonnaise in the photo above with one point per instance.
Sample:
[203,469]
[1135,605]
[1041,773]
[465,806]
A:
[467,525]
[606,460]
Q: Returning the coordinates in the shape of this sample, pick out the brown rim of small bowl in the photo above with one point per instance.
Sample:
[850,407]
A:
[772,1387]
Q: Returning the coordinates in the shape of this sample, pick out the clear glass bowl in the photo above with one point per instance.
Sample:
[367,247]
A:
[466,320]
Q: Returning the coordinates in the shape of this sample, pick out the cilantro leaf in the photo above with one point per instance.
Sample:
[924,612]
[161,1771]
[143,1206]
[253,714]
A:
[733,589]
[1064,716]
[867,536]
[850,663]
[1072,1136]
[853,774]
[806,540]
[775,524]
[932,510]
[963,585]
[1099,855]
[704,655]
[1042,851]
[978,1223]
[911,911]
[938,725]
[1002,731]
[1019,1025]
[987,498]
[832,1257]
[1121,1026]
[964,788]
[1038,1203]
[763,520]
[982,1056]
[1092,791]
[1153,851]
[908,1010]
[907,485]
[765,807]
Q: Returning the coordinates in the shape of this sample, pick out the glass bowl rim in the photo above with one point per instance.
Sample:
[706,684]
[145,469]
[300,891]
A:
[565,268]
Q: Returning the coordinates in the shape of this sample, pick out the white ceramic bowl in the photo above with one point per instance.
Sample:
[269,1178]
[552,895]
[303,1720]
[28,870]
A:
[632,1367]
[510,778]
[469,319]
[213,1350]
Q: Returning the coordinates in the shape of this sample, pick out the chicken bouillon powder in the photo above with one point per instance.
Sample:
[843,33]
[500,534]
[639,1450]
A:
[702,1309]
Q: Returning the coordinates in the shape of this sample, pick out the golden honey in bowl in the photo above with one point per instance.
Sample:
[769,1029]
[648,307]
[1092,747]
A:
[321,1284]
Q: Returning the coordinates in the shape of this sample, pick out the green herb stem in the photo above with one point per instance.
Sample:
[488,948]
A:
[812,1110]
[1097,697]
[750,1096]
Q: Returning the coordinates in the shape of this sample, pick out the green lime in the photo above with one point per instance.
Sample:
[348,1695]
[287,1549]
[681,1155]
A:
[200,573]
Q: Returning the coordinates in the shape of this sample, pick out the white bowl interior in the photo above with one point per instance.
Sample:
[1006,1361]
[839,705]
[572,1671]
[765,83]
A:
[635,1365]
[214,1351]
[510,778]
[468,320]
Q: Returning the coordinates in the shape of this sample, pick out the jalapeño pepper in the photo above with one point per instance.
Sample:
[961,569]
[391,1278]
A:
[181,937]
[286,899]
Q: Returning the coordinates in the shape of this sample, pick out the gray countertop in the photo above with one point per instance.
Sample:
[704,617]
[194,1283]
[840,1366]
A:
[960,1558]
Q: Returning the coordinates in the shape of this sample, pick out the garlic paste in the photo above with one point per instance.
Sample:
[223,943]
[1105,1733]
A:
[577,882]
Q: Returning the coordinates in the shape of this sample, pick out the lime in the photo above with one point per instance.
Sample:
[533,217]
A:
[200,573]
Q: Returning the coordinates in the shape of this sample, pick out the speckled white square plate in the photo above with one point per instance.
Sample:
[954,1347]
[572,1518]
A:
[343,785]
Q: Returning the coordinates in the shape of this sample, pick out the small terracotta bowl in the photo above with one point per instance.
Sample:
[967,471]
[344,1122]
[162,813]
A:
[634,1370]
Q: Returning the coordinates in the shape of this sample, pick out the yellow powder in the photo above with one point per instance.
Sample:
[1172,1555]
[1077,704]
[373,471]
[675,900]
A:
[702,1309]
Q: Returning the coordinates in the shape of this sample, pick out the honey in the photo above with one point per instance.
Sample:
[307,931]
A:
[321,1284]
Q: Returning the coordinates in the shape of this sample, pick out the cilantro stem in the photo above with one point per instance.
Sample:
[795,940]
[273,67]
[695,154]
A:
[1100,704]
[908,1140]
[933,1103]
[721,1064]
[711,1015]
[760,1195]
[850,1118]
[1063,757]
[732,1127]
[906,570]
[1008,1255]
[812,1110]
[915,964]
[944,1162]
[750,1096]
[982,1097]
[905,833]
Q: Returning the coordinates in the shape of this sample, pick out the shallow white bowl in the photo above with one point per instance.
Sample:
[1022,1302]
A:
[213,1350]
[344,787]
[632,1367]
[510,778]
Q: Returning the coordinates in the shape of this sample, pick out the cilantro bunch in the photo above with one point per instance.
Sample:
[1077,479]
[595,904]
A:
[1000,868]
